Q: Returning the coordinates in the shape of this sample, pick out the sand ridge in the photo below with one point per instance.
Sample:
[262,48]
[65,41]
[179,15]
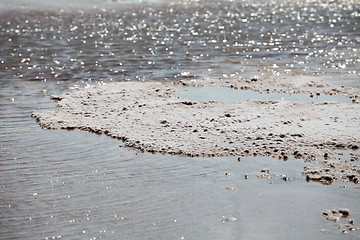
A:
[151,117]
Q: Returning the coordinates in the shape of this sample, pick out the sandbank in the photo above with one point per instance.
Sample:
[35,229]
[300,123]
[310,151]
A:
[152,117]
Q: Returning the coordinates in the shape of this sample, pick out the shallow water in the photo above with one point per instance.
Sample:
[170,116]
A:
[60,184]
[224,94]
[82,185]
[235,39]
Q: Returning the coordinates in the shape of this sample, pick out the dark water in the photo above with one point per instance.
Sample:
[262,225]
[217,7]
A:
[77,185]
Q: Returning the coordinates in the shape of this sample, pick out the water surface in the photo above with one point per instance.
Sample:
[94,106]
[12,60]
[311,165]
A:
[236,39]
[225,94]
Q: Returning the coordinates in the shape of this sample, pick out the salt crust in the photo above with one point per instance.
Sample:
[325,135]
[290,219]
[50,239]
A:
[151,117]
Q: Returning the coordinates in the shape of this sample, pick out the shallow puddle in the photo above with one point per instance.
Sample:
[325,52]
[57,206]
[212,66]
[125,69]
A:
[225,94]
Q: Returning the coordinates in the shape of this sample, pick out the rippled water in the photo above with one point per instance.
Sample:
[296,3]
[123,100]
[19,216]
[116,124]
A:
[77,185]
[193,39]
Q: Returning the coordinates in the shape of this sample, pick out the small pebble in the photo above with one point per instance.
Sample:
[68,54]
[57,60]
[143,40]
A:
[344,212]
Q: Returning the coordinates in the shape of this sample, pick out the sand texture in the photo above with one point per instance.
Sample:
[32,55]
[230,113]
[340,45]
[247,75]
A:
[150,116]
[333,170]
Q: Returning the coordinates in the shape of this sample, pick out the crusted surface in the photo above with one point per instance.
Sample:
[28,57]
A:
[334,170]
[150,116]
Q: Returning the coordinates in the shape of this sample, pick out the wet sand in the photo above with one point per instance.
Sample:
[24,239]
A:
[151,117]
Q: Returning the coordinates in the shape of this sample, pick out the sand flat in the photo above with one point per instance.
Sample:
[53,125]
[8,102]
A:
[151,116]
